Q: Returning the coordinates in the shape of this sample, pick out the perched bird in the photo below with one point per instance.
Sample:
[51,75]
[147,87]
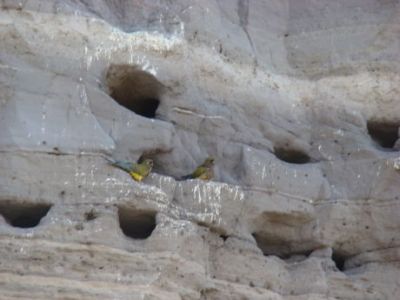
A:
[138,171]
[204,171]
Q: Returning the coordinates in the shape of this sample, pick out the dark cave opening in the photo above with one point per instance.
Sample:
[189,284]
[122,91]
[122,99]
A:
[292,156]
[136,224]
[276,246]
[272,245]
[135,89]
[383,133]
[24,215]
[339,260]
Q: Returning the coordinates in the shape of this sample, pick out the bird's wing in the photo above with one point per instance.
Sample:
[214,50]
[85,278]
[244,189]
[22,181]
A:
[124,165]
[141,169]
[207,175]
[198,172]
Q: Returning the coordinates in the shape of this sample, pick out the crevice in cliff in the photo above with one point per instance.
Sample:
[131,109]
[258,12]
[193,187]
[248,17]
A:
[383,133]
[136,90]
[292,156]
[24,215]
[272,245]
[91,215]
[136,224]
[339,260]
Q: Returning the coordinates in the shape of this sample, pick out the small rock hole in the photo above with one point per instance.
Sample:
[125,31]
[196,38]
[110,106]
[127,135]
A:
[137,224]
[137,90]
[24,215]
[292,156]
[383,133]
[273,245]
[91,215]
[339,260]
[224,237]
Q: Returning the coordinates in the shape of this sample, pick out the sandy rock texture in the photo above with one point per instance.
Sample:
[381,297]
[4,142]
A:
[297,100]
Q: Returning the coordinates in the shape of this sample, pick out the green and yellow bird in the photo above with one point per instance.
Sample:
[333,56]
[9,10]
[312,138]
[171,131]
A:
[138,171]
[204,171]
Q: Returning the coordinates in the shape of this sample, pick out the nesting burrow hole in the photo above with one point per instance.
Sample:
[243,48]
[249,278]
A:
[272,245]
[24,215]
[136,224]
[384,134]
[339,260]
[292,156]
[135,89]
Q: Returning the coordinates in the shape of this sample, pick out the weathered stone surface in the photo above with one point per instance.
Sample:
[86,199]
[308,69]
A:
[297,101]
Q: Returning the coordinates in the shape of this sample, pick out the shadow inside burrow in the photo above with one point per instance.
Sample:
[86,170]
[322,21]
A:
[384,133]
[135,89]
[136,224]
[24,214]
[293,156]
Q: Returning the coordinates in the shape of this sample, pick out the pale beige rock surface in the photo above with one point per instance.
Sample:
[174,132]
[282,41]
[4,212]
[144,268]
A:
[297,100]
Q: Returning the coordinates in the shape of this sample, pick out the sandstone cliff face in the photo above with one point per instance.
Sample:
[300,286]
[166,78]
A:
[298,101]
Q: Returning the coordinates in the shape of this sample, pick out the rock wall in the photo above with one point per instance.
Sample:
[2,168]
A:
[297,100]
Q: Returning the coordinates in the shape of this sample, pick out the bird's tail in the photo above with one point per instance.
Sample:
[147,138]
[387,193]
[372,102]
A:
[186,177]
[119,164]
[110,160]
